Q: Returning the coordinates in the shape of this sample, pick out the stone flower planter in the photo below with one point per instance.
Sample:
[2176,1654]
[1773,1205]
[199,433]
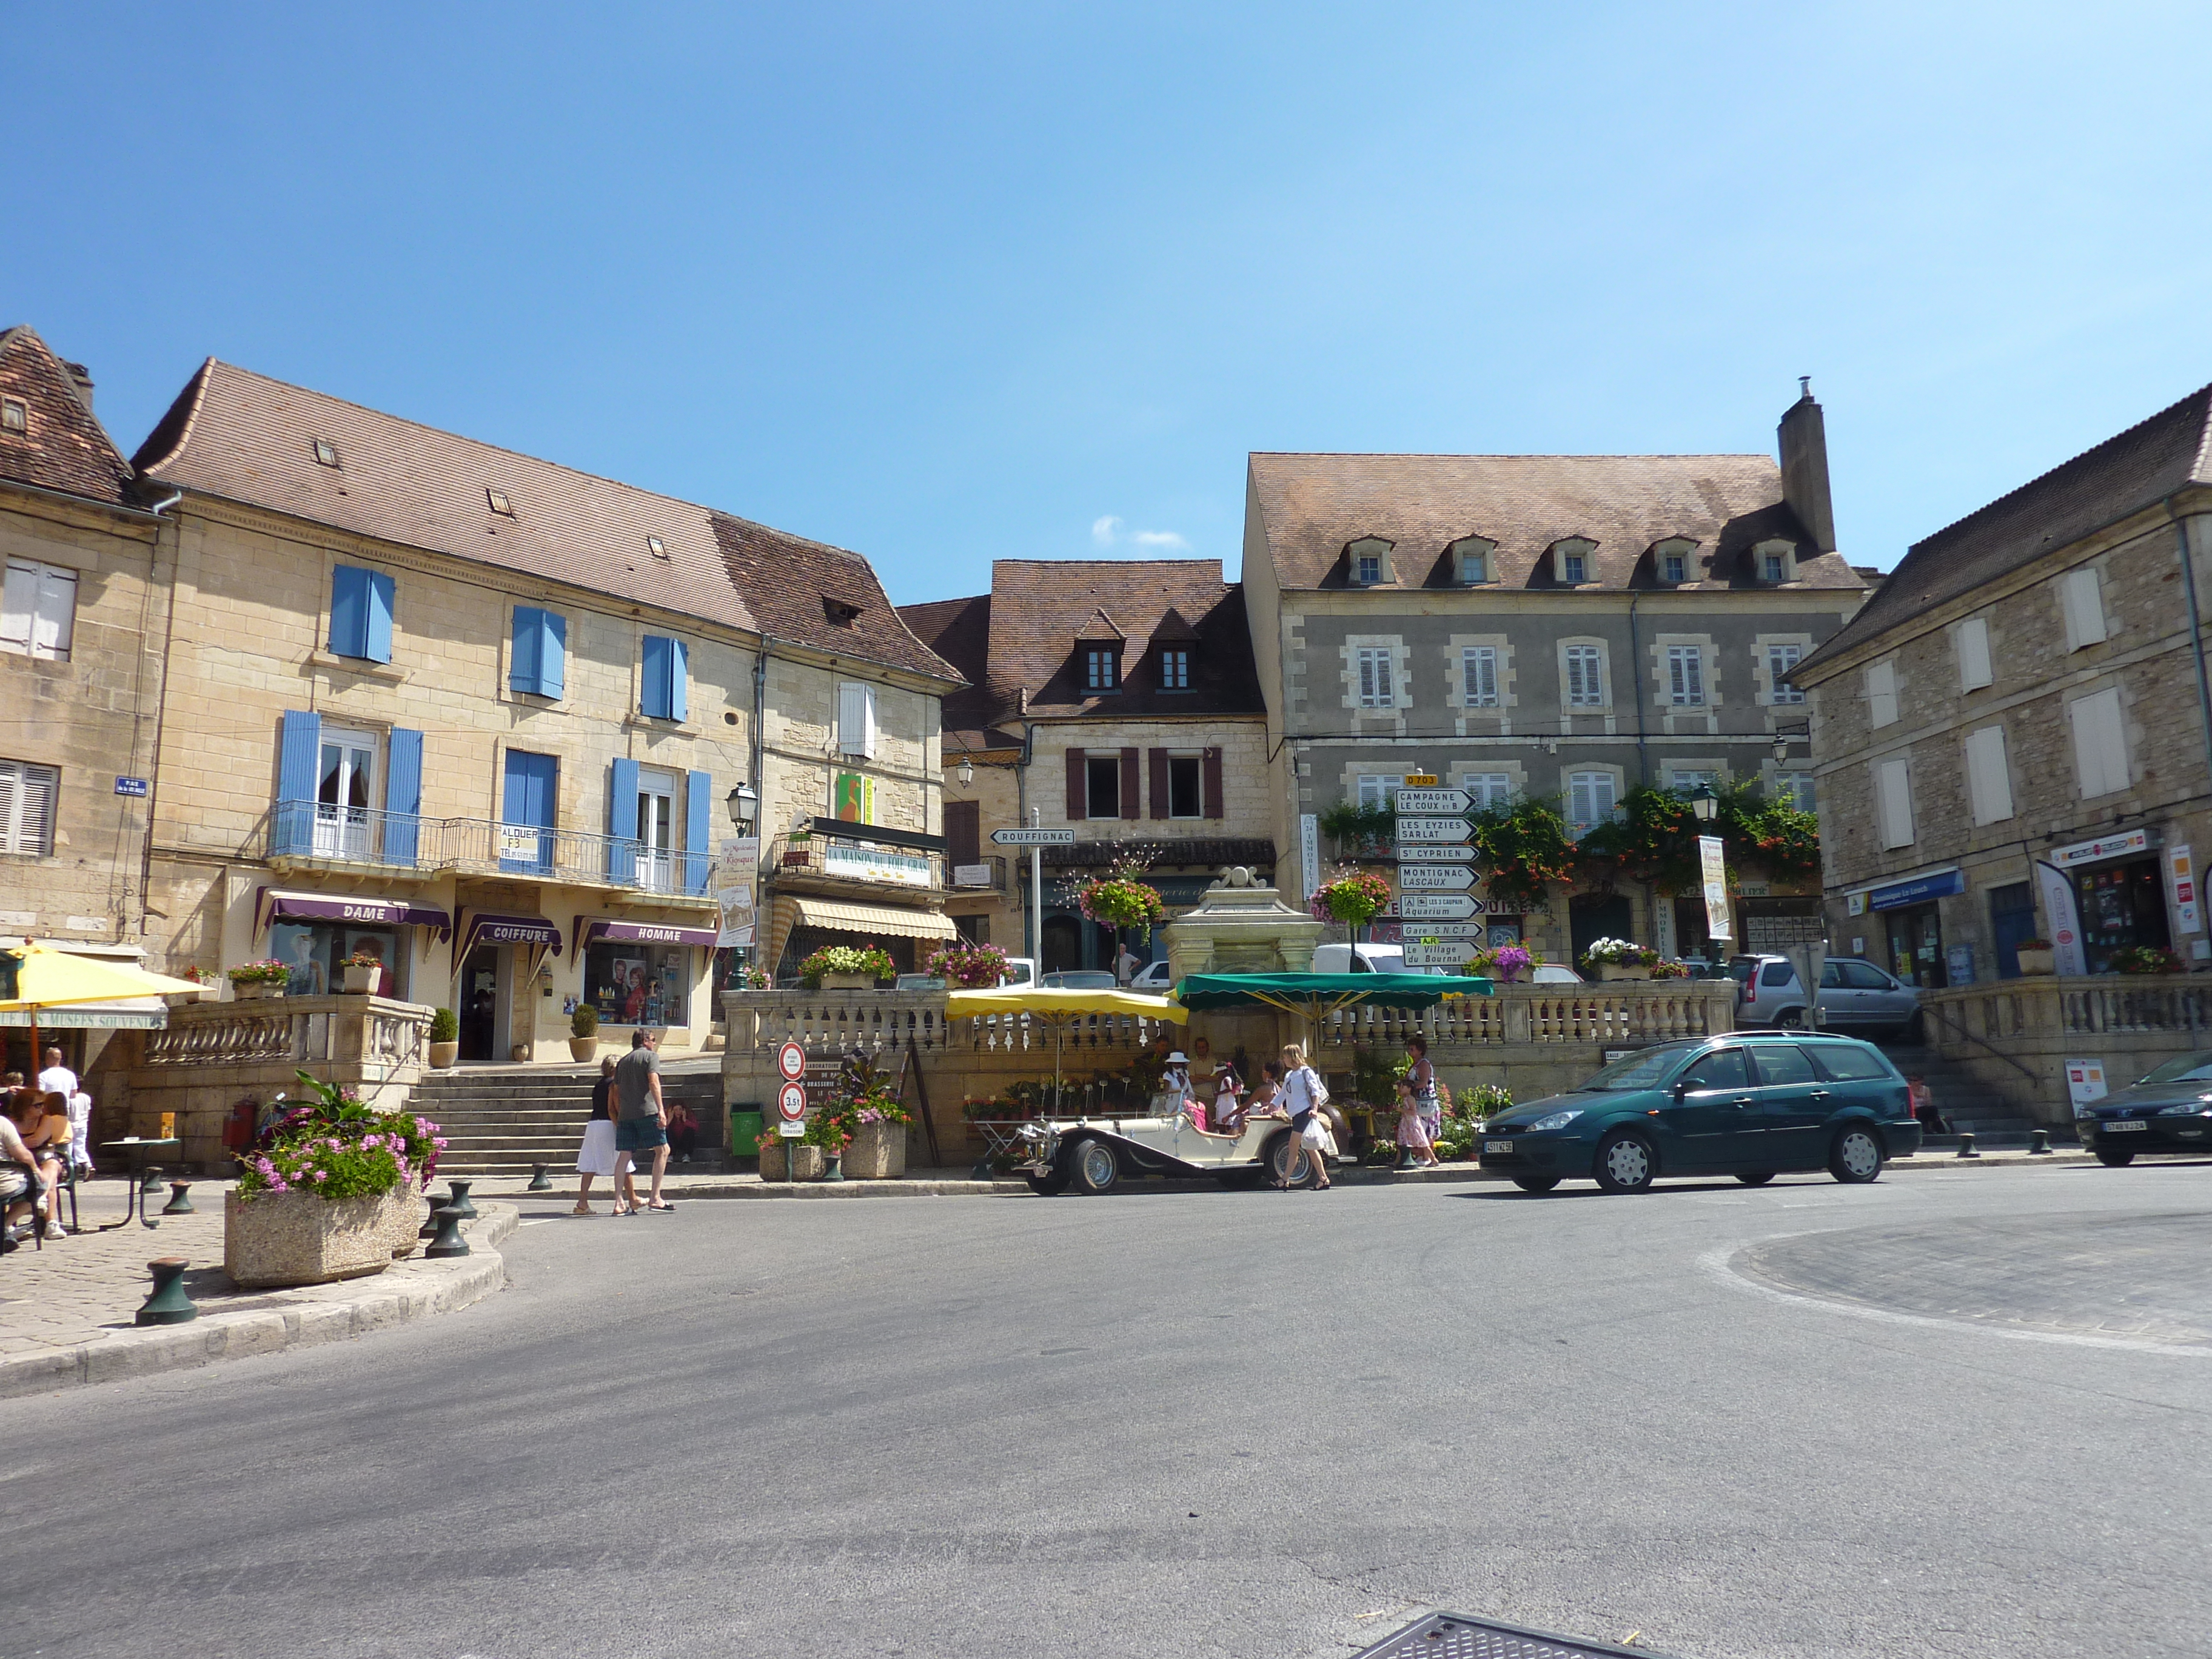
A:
[848,982]
[1609,971]
[257,989]
[2038,961]
[406,1215]
[809,1160]
[876,1153]
[297,1239]
[583,1050]
[360,981]
[443,1054]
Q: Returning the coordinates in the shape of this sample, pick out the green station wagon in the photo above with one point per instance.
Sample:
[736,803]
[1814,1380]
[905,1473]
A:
[1751,1104]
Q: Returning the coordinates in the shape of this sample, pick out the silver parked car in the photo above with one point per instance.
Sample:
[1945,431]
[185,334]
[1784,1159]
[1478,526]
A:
[1855,996]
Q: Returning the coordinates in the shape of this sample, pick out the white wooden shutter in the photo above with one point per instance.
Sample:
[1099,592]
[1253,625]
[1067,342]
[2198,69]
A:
[20,605]
[56,624]
[1479,664]
[1989,782]
[2083,602]
[1881,694]
[1973,644]
[2101,742]
[26,807]
[856,719]
[1893,791]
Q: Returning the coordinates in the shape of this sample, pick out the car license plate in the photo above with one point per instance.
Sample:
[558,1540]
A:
[2122,1125]
[1497,1145]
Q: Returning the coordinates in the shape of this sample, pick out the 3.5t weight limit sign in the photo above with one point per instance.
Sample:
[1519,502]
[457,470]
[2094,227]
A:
[791,1102]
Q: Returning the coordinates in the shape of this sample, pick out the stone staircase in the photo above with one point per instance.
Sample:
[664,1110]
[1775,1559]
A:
[1965,1101]
[500,1120]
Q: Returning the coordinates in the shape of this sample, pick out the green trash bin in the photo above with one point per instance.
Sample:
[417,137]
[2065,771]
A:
[744,1133]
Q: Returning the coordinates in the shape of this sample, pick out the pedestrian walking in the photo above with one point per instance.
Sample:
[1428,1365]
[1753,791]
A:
[642,1118]
[1412,1130]
[1423,1078]
[1303,1095]
[57,1078]
[597,1156]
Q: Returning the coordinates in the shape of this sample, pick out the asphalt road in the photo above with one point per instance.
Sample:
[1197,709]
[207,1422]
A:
[1921,1418]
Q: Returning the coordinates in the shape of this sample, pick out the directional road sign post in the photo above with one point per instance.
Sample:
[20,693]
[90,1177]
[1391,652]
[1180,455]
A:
[1436,933]
[1435,877]
[1434,831]
[1441,803]
[1438,955]
[1435,855]
[1033,838]
[1436,907]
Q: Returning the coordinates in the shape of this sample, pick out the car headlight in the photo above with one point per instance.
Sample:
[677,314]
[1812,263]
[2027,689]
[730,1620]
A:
[2186,1108]
[1032,1131]
[1554,1121]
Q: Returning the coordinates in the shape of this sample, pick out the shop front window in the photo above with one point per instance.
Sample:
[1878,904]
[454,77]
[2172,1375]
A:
[2122,905]
[1916,946]
[638,984]
[315,953]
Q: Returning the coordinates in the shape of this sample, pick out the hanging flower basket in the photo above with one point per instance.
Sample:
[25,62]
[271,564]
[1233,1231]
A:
[1350,896]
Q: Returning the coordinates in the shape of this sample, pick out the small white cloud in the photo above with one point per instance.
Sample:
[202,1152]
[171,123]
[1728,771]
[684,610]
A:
[1105,530]
[1159,539]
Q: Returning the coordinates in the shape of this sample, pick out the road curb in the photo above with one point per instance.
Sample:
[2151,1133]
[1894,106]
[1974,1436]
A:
[405,1292]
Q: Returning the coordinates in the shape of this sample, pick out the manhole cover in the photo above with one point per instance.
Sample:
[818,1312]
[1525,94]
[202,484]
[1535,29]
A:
[1449,1635]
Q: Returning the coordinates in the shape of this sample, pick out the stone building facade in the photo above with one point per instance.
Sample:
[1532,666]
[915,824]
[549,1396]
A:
[1564,627]
[80,666]
[1113,698]
[2015,736]
[481,717]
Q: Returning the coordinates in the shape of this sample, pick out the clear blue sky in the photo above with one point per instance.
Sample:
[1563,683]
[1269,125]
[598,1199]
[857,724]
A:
[950,282]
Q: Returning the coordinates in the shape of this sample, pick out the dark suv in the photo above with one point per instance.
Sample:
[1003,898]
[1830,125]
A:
[1751,1104]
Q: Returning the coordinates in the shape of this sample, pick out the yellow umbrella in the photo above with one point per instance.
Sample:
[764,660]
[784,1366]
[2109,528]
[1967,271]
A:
[1058,1008]
[34,977]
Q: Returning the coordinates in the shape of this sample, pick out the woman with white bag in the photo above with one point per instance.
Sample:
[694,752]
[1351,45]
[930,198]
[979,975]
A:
[1303,1097]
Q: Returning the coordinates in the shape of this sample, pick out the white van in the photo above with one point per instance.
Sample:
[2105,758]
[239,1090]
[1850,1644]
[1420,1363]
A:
[1359,959]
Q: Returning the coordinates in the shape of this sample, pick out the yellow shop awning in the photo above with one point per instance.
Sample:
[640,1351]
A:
[843,916]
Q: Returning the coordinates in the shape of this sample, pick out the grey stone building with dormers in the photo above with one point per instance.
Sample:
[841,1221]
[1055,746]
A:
[1565,627]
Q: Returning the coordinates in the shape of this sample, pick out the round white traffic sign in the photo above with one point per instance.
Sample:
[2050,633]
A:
[791,1061]
[791,1102]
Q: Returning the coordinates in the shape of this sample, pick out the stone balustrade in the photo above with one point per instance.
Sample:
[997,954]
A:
[2015,1036]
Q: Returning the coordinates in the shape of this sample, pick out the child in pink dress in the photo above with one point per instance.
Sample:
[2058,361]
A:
[1411,1132]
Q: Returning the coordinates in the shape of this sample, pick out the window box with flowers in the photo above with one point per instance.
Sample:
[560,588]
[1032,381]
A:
[250,980]
[331,1190]
[2146,959]
[1618,958]
[1506,964]
[360,972]
[2036,957]
[847,967]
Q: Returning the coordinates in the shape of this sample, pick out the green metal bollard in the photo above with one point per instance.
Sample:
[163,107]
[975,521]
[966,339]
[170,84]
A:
[168,1304]
[458,1197]
[449,1241]
[180,1201]
[539,1183]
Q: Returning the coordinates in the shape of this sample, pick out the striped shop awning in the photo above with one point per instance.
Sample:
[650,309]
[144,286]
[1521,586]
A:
[844,916]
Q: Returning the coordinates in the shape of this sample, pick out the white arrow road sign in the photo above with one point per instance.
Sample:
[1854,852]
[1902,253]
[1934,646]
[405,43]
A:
[1441,802]
[1436,854]
[1034,837]
[1434,831]
[1438,933]
[1438,956]
[1437,907]
[1434,878]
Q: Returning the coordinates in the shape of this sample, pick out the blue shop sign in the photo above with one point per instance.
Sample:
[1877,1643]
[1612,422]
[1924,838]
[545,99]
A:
[1918,891]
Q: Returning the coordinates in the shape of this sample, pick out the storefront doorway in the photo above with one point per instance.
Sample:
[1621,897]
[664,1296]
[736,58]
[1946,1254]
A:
[2123,906]
[483,1008]
[1592,917]
[2012,919]
[1916,945]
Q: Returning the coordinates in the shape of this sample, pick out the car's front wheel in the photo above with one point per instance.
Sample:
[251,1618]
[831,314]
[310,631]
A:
[1757,1178]
[2114,1159]
[1093,1169]
[1855,1156]
[1535,1183]
[1050,1183]
[1625,1163]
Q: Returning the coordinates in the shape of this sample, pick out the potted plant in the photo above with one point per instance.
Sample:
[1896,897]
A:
[1504,963]
[752,979]
[1663,968]
[199,975]
[584,1033]
[870,1120]
[330,1191]
[1618,958]
[2146,959]
[792,1159]
[1122,898]
[445,1038]
[360,972]
[972,967]
[250,980]
[2036,957]
[1350,896]
[847,967]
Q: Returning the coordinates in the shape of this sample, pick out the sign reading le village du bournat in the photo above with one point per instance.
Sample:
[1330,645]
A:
[1438,910]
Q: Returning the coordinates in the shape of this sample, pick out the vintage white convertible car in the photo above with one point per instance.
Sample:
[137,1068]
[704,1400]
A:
[1096,1154]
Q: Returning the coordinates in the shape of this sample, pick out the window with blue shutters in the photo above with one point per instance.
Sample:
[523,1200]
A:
[664,692]
[622,821]
[299,757]
[402,796]
[540,659]
[532,798]
[361,613]
[698,831]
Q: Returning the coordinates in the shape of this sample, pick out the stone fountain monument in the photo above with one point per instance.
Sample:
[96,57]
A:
[1242,927]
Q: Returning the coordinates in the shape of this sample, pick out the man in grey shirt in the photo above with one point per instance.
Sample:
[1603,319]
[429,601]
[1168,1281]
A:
[640,1116]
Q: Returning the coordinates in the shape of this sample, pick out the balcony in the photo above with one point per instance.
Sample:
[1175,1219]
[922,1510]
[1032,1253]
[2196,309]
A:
[306,834]
[850,856]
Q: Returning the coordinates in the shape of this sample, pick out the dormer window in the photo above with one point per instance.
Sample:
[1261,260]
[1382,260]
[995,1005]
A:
[326,453]
[1370,560]
[1174,669]
[1673,568]
[1775,562]
[843,612]
[15,416]
[1672,561]
[1571,562]
[1471,561]
[497,501]
[1101,668]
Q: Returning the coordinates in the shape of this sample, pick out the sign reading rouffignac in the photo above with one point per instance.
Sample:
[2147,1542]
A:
[1034,837]
[1714,871]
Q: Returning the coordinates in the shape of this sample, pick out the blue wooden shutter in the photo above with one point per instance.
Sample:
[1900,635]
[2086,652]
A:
[402,796]
[679,681]
[621,822]
[533,789]
[298,758]
[528,636]
[552,653]
[653,695]
[348,612]
[698,829]
[377,646]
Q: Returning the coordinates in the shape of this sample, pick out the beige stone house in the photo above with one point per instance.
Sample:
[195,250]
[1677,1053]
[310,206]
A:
[486,717]
[1113,698]
[1559,626]
[2013,736]
[80,636]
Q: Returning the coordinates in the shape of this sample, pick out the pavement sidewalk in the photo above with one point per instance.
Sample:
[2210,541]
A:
[67,1312]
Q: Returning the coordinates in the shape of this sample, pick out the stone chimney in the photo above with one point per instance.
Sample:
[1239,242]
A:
[80,383]
[1803,440]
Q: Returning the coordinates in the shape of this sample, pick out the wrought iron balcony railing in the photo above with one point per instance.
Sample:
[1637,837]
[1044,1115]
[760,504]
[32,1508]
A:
[312,831]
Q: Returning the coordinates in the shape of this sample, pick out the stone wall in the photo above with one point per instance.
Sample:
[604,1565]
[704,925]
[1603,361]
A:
[2016,1036]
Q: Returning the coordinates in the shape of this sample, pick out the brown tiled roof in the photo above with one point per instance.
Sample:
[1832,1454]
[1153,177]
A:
[246,438]
[959,630]
[65,448]
[2137,469]
[1040,608]
[1312,506]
